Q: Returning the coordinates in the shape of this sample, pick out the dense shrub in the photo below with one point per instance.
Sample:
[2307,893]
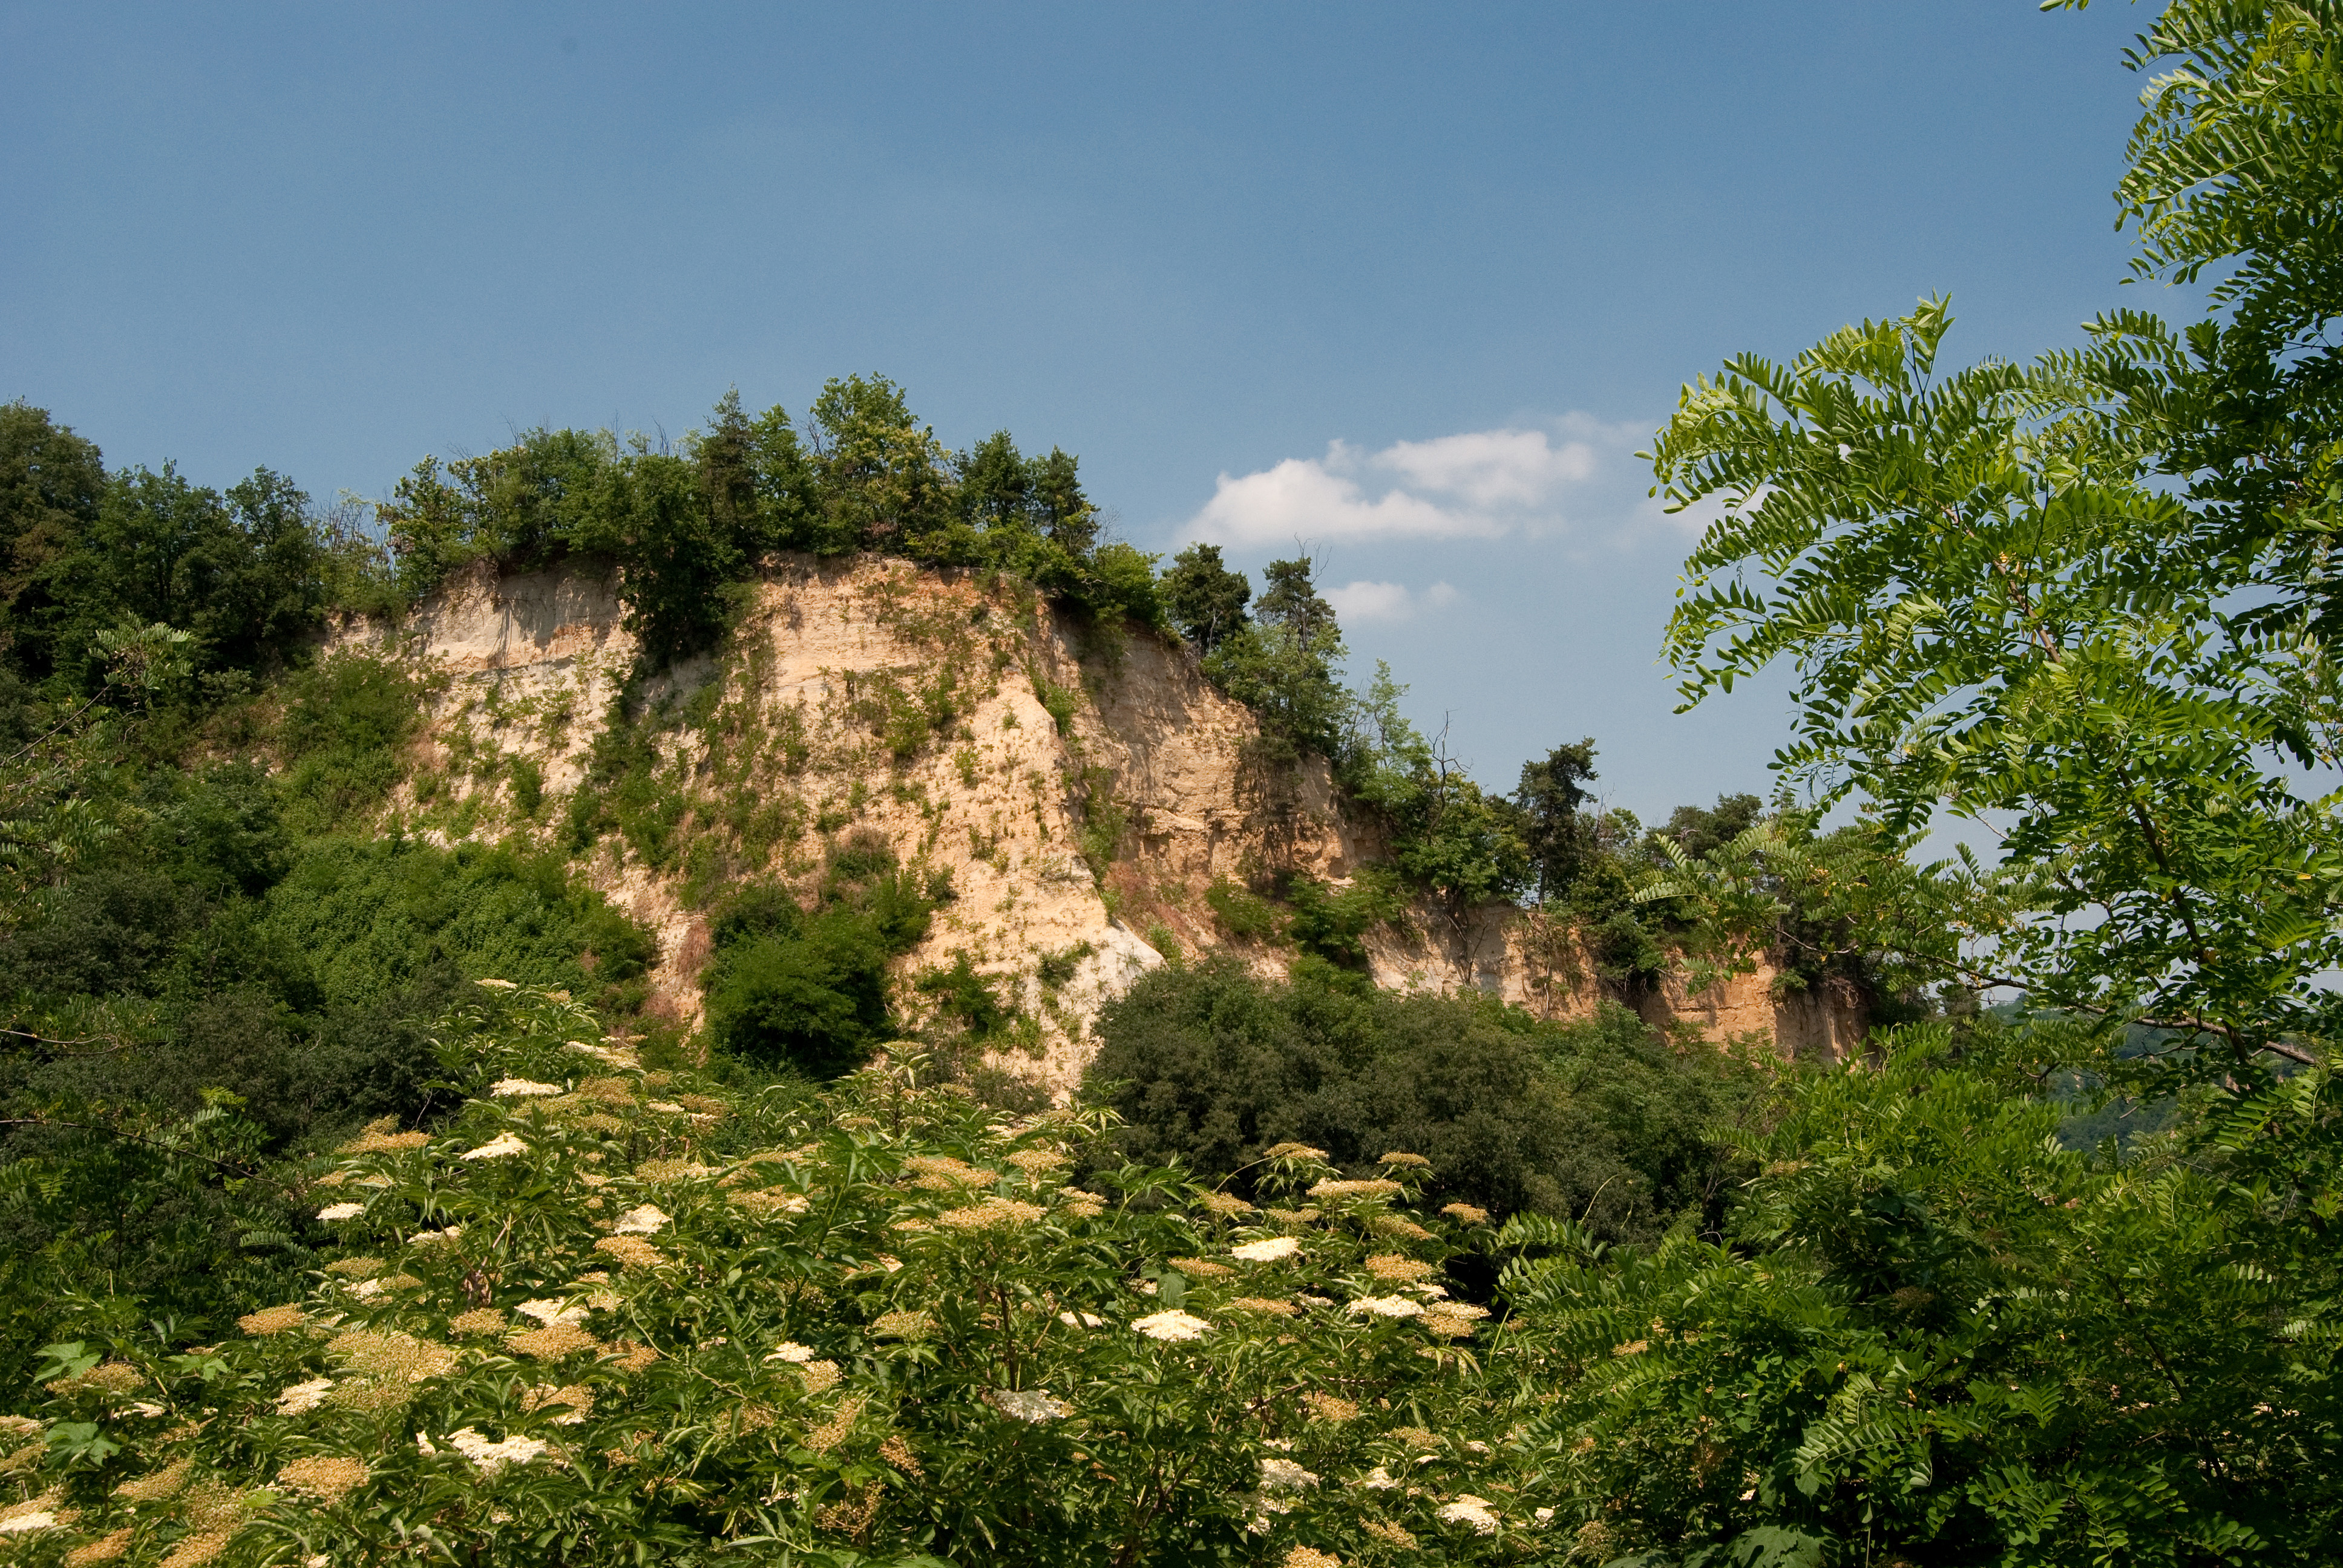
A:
[340,734]
[806,989]
[809,994]
[376,913]
[207,995]
[1212,1065]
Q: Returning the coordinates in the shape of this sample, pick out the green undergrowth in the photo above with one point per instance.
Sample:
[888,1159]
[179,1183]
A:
[377,912]
[1312,915]
[804,988]
[606,1315]
[344,722]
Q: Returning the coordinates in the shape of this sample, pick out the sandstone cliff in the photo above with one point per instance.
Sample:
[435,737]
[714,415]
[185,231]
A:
[1084,789]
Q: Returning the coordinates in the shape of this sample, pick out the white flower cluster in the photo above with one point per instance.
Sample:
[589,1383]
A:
[304,1397]
[641,1221]
[1387,1307]
[1173,1324]
[550,1312]
[1026,1405]
[1284,1476]
[1267,1251]
[1473,1511]
[496,1147]
[489,1456]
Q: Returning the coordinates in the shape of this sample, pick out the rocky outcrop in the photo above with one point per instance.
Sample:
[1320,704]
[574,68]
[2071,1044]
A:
[1083,788]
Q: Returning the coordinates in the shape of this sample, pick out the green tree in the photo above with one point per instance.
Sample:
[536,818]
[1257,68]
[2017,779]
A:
[1063,512]
[884,479]
[650,513]
[51,483]
[1205,599]
[996,487]
[727,455]
[1940,1336]
[1447,836]
[1284,667]
[1555,834]
[2081,603]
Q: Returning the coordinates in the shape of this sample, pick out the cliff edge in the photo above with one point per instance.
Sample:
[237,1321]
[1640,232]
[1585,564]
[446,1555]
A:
[1083,787]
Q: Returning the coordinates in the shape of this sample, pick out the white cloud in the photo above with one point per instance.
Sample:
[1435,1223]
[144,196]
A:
[1490,468]
[1360,602]
[1482,484]
[1300,499]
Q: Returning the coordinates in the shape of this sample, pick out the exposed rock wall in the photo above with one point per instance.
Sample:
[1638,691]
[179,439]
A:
[1082,788]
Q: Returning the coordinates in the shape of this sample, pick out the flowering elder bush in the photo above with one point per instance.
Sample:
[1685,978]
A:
[608,1315]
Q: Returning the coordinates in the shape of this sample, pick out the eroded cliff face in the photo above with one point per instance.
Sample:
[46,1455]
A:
[1082,788]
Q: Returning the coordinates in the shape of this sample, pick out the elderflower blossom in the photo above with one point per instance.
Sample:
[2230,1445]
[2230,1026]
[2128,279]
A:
[993,1213]
[1387,1307]
[1372,1187]
[631,1253]
[1172,1324]
[304,1397]
[644,1220]
[271,1320]
[391,1354]
[1284,1476]
[1266,1251]
[327,1478]
[496,1147]
[791,1351]
[1473,1511]
[341,1211]
[521,1088]
[551,1310]
[492,1457]
[1026,1405]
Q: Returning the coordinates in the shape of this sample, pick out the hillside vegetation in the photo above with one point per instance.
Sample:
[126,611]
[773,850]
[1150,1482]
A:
[360,1201]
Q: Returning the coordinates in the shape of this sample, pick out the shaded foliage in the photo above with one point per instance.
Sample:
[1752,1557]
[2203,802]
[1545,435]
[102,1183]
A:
[1209,1065]
[806,989]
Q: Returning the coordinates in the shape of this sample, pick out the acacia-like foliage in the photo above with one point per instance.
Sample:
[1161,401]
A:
[1940,1335]
[2083,602]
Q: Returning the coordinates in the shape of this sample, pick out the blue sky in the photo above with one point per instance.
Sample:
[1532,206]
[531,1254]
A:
[1409,284]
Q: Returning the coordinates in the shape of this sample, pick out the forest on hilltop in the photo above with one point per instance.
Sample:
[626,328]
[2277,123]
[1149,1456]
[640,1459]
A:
[353,1209]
